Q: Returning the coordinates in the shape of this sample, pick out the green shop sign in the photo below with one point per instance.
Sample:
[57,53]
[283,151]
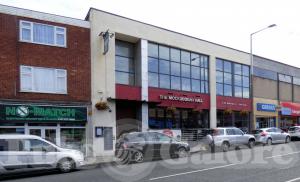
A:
[42,113]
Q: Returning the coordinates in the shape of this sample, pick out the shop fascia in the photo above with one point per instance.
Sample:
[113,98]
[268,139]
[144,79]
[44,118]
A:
[50,113]
[180,98]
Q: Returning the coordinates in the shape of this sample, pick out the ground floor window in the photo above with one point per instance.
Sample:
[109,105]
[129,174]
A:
[177,118]
[265,122]
[288,121]
[239,119]
[71,136]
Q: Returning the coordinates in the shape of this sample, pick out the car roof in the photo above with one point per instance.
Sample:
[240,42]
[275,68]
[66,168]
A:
[18,136]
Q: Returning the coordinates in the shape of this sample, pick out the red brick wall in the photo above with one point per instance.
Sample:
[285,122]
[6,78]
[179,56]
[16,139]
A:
[75,58]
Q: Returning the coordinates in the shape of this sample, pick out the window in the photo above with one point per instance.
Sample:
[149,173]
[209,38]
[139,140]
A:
[11,145]
[176,69]
[125,68]
[263,73]
[285,78]
[296,81]
[38,146]
[43,80]
[232,79]
[42,34]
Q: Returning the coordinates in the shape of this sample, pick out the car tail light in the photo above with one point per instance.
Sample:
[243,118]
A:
[125,146]
[263,134]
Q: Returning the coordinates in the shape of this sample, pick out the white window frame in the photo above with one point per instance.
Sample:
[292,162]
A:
[31,33]
[55,80]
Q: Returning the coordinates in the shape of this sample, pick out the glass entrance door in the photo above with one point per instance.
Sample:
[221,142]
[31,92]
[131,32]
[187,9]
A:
[46,133]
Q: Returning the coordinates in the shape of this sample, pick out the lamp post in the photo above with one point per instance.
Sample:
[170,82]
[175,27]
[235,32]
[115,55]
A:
[251,58]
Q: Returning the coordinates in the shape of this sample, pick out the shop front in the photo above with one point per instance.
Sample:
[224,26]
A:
[289,115]
[232,111]
[177,110]
[63,125]
[265,113]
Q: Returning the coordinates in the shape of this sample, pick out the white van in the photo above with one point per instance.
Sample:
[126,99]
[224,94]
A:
[29,151]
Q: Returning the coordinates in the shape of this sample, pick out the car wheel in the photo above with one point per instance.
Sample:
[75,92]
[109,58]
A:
[225,146]
[124,157]
[269,141]
[182,152]
[66,165]
[251,144]
[138,157]
[287,139]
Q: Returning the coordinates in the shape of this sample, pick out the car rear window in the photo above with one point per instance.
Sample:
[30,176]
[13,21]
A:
[294,128]
[217,132]
[257,131]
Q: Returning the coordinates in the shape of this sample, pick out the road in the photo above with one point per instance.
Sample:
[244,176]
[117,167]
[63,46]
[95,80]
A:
[274,163]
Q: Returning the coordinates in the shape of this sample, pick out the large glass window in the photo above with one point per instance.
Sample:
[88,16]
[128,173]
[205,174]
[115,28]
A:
[43,80]
[125,72]
[42,34]
[232,79]
[177,69]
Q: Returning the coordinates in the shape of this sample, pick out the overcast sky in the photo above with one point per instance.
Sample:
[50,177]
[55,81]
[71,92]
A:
[226,22]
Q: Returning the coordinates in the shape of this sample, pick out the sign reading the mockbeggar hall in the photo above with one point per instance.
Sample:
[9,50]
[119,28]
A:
[42,113]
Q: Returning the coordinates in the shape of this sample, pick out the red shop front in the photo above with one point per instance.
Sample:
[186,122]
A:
[169,109]
[289,114]
[232,111]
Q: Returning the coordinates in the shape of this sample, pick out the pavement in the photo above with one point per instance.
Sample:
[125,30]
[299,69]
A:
[276,163]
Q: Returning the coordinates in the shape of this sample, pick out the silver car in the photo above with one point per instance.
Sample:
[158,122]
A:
[268,136]
[227,137]
[294,131]
[29,151]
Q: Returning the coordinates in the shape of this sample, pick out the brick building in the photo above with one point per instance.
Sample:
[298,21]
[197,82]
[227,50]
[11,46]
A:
[45,86]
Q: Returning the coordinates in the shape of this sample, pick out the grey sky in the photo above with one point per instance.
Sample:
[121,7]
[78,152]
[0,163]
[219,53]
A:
[226,22]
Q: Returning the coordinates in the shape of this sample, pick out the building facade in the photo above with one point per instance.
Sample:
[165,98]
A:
[156,79]
[83,83]
[44,76]
[276,94]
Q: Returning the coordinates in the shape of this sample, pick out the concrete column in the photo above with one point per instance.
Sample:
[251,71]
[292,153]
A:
[144,83]
[212,90]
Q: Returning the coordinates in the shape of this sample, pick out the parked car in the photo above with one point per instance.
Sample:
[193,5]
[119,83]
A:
[227,137]
[268,136]
[138,146]
[294,132]
[29,151]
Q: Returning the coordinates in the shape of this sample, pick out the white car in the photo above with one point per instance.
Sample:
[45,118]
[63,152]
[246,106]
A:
[226,137]
[294,131]
[29,151]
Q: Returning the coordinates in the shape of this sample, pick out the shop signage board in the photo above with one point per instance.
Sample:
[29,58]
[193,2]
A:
[42,113]
[180,98]
[266,107]
[290,108]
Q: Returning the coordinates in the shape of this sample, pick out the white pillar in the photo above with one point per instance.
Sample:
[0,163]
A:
[144,83]
[213,93]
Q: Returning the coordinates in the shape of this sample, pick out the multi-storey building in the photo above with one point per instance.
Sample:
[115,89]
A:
[83,83]
[44,76]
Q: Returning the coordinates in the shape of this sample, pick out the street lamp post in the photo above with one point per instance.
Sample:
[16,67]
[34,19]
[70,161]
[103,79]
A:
[251,58]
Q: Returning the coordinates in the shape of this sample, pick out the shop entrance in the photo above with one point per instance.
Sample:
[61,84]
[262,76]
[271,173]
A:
[48,133]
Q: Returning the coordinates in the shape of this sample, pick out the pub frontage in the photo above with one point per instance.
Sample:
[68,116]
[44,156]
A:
[63,125]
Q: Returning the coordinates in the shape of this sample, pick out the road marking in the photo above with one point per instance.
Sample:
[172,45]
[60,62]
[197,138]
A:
[282,155]
[296,179]
[189,172]
[218,167]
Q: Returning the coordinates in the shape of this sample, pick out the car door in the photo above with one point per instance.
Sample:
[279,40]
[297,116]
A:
[152,146]
[12,154]
[230,136]
[280,134]
[273,134]
[41,153]
[164,144]
[239,136]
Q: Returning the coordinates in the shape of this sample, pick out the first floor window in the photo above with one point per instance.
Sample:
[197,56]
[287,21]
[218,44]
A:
[42,33]
[43,80]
